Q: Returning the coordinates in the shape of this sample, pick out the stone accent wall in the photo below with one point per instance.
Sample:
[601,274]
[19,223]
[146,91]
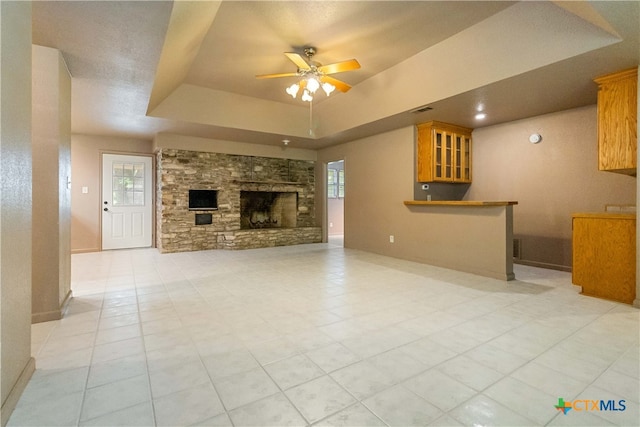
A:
[180,170]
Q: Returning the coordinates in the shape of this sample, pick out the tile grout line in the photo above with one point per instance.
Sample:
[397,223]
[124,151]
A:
[86,384]
[144,347]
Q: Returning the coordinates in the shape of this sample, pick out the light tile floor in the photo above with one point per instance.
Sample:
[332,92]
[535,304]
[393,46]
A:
[322,335]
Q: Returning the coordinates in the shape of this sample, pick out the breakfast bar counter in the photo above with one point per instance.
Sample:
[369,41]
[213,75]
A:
[463,235]
[457,203]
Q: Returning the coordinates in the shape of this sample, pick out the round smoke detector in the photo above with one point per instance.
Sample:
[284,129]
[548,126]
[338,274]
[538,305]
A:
[535,138]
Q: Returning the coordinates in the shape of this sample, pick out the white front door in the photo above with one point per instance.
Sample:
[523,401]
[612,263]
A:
[127,202]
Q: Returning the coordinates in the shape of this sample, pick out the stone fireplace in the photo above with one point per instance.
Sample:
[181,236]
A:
[261,201]
[267,209]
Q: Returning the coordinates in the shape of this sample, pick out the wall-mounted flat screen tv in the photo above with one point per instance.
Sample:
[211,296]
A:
[203,200]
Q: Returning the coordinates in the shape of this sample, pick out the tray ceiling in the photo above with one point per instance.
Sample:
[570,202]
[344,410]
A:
[140,68]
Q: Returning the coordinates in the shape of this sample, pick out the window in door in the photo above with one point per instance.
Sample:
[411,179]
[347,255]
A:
[128,184]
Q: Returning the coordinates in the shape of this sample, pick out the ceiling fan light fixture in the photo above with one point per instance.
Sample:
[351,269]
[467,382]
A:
[328,88]
[293,90]
[313,75]
[306,96]
[312,84]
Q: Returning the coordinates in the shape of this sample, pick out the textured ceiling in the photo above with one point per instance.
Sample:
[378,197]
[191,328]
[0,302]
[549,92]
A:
[144,67]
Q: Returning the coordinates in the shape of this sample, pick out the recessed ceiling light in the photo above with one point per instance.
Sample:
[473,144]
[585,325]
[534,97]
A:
[481,116]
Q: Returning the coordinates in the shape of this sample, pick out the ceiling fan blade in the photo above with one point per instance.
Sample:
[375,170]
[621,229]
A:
[340,85]
[339,67]
[272,76]
[298,60]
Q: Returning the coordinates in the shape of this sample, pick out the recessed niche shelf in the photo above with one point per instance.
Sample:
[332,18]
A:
[204,219]
[203,200]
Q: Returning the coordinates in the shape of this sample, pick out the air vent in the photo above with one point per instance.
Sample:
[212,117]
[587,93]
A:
[517,249]
[422,109]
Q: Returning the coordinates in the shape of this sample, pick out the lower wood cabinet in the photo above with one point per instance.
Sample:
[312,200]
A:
[604,255]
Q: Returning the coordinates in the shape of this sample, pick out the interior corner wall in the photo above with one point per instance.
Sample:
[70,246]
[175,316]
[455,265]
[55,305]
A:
[550,180]
[16,363]
[378,178]
[51,142]
[86,164]
[64,178]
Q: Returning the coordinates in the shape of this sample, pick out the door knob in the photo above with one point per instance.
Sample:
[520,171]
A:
[106,209]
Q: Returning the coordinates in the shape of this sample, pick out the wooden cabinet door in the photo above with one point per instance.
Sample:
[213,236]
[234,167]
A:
[462,156]
[617,122]
[442,155]
[604,253]
[424,153]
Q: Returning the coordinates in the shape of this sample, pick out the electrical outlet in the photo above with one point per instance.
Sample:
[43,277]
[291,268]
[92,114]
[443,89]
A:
[391,238]
[330,224]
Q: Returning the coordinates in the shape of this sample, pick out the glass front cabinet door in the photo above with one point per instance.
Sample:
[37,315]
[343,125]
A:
[443,153]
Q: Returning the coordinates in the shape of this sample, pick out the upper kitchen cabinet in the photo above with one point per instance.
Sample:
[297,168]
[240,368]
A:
[443,153]
[618,122]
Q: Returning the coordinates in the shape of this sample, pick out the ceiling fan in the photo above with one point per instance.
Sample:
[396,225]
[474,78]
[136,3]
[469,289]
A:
[314,75]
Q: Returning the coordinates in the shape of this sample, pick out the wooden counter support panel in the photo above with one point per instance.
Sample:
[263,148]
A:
[604,254]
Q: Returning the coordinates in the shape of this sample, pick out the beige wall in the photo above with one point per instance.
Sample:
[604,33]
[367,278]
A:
[550,180]
[16,364]
[51,142]
[85,172]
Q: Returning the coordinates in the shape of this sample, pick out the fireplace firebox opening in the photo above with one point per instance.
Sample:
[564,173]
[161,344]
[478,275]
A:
[268,209]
